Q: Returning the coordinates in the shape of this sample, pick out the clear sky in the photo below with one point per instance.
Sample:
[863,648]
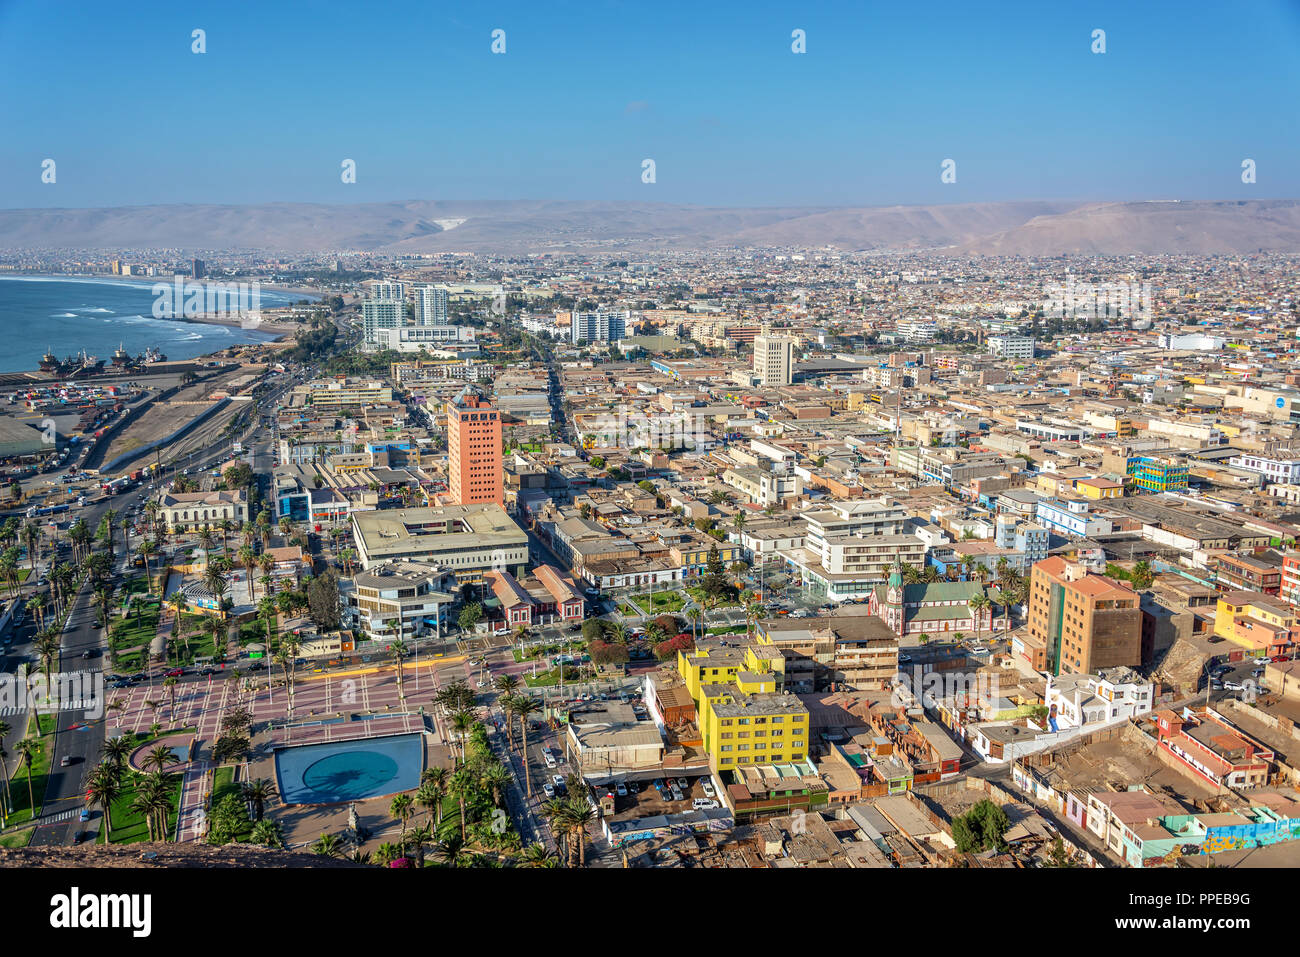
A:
[711,91]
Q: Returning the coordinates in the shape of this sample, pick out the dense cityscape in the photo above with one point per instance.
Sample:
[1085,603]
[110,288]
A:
[791,559]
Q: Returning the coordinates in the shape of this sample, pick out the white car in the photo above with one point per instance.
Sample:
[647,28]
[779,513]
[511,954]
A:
[707,788]
[677,794]
[550,761]
[501,631]
[549,790]
[701,804]
[621,790]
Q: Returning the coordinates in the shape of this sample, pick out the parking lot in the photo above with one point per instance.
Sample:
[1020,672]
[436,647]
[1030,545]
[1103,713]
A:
[643,799]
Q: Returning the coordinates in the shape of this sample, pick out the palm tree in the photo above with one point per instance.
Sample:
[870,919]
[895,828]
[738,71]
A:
[579,816]
[399,650]
[524,708]
[328,845]
[103,788]
[267,833]
[537,855]
[506,684]
[433,787]
[419,838]
[693,615]
[1142,576]
[451,850]
[462,785]
[4,733]
[27,750]
[461,723]
[495,779]
[978,604]
[115,751]
[257,792]
[159,757]
[147,549]
[248,558]
[401,807]
[154,800]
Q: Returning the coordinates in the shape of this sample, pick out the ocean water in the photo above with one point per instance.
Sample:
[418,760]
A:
[69,315]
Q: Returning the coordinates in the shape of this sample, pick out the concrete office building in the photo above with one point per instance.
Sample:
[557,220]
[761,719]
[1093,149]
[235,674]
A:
[774,360]
[474,456]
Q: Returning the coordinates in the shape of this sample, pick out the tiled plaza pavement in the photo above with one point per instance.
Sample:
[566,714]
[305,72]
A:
[323,710]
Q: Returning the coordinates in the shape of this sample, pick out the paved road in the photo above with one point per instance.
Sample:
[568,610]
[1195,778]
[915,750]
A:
[79,736]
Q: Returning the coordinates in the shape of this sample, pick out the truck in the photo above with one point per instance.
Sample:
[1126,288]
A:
[237,448]
[35,510]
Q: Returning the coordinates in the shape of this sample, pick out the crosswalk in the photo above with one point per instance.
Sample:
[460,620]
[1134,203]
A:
[61,816]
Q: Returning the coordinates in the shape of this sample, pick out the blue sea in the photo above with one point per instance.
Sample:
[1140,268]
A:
[66,316]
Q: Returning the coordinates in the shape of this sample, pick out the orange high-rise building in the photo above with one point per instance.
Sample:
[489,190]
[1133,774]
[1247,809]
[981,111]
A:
[474,452]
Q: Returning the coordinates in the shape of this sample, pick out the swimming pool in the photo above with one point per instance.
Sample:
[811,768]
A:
[340,771]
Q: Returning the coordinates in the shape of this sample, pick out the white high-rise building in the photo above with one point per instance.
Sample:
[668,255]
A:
[774,359]
[388,289]
[430,305]
[1011,347]
[379,314]
[599,326]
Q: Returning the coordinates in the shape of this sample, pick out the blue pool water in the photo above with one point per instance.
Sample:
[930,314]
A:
[349,770]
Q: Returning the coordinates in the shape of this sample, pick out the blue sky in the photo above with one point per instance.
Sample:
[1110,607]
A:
[585,92]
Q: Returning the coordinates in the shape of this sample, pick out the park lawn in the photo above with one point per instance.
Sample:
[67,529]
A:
[697,593]
[18,839]
[129,826]
[628,610]
[552,677]
[201,644]
[135,631]
[661,601]
[726,630]
[40,772]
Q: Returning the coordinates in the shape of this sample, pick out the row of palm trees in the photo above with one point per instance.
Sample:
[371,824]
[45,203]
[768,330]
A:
[154,786]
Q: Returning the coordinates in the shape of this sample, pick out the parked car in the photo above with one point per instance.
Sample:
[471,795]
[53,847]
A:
[658,784]
[677,794]
[1234,686]
[558,781]
[550,761]
[707,788]
[621,790]
[701,804]
[681,783]
[548,789]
